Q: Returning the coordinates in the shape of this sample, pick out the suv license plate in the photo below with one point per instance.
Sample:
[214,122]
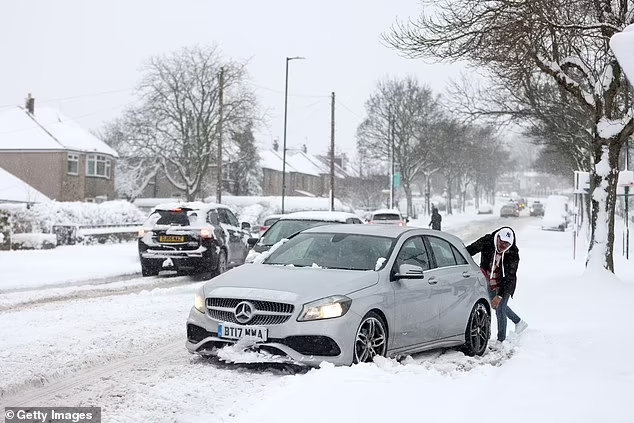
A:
[171,238]
[227,331]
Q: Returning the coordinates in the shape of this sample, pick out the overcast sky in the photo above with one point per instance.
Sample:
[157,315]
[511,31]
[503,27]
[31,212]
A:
[83,56]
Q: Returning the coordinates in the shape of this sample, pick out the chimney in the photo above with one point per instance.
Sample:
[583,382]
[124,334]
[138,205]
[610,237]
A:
[304,148]
[276,145]
[29,104]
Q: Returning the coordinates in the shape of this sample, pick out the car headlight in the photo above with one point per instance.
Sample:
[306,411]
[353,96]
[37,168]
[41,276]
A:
[326,308]
[199,300]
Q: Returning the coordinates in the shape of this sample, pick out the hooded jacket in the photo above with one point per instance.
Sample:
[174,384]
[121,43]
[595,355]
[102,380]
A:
[486,246]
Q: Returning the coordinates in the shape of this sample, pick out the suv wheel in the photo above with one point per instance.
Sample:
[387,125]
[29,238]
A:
[222,264]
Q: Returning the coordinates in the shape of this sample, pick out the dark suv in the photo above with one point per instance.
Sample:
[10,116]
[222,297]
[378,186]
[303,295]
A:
[193,237]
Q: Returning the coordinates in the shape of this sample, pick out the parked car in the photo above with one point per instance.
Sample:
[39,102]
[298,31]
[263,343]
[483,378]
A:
[290,224]
[510,210]
[556,215]
[194,237]
[387,217]
[537,209]
[268,221]
[485,209]
[345,294]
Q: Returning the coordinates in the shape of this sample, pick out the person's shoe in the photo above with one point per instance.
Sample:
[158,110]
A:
[520,327]
[496,345]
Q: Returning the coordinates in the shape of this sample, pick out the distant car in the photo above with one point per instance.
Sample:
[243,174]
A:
[387,217]
[192,237]
[510,210]
[268,221]
[537,209]
[289,224]
[346,294]
[485,209]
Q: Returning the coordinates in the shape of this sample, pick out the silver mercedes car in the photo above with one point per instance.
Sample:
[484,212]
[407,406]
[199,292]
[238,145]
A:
[345,294]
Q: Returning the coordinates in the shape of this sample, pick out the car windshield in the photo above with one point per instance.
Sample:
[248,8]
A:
[270,221]
[285,228]
[386,216]
[178,217]
[333,251]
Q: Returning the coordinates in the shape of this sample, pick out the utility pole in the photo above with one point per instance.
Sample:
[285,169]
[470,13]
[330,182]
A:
[221,83]
[392,162]
[332,153]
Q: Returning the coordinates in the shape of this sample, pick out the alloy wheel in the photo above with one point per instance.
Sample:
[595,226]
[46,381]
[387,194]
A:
[370,341]
[479,329]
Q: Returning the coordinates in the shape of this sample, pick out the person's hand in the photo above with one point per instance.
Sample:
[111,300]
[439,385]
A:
[496,301]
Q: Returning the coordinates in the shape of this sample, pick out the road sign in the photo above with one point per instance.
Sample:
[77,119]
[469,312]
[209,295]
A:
[397,179]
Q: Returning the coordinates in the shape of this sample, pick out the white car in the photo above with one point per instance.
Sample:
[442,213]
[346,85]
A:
[485,209]
[387,217]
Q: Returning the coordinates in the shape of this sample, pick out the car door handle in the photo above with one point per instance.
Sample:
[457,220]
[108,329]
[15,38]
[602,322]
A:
[466,274]
[432,281]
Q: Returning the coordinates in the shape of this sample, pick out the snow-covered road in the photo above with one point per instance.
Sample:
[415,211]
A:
[126,353]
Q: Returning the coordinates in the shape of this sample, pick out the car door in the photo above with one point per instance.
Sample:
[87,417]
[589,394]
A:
[236,251]
[415,312]
[455,283]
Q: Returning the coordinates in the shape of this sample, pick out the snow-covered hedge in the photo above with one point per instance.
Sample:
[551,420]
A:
[40,218]
[5,229]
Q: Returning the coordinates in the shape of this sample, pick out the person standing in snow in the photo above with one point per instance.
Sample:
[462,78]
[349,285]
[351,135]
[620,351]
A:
[499,259]
[436,219]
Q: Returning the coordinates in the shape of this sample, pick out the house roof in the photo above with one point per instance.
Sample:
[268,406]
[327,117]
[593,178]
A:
[299,162]
[48,129]
[271,159]
[15,190]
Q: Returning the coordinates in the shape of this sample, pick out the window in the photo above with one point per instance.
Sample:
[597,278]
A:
[98,165]
[459,257]
[73,164]
[227,217]
[442,252]
[212,217]
[413,252]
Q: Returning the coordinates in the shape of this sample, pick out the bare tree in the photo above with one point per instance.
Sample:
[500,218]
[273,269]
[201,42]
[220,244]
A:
[564,40]
[178,116]
[134,169]
[402,112]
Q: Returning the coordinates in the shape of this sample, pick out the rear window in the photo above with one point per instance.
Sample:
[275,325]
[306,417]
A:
[386,216]
[270,221]
[181,217]
[285,228]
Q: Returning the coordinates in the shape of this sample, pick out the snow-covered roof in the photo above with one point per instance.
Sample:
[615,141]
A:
[386,211]
[14,189]
[47,129]
[271,159]
[324,216]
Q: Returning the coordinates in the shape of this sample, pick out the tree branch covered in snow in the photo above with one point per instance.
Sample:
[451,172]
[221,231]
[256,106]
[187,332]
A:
[565,40]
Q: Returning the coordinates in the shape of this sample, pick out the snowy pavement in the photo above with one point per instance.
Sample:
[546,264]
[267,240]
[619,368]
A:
[126,353]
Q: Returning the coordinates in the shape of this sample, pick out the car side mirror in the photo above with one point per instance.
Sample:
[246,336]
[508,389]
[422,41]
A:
[252,241]
[409,271]
[245,226]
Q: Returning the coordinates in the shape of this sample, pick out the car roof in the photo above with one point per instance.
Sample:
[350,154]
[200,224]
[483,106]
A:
[321,216]
[381,230]
[193,205]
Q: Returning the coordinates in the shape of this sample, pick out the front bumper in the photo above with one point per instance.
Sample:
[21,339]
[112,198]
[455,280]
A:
[308,343]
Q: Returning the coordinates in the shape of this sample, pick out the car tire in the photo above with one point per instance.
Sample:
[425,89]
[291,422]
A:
[370,339]
[221,266]
[148,269]
[478,331]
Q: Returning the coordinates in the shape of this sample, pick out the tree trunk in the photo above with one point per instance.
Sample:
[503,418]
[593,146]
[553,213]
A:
[476,195]
[604,178]
[408,196]
[449,210]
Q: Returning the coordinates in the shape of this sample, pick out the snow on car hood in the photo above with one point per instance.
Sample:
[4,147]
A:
[285,283]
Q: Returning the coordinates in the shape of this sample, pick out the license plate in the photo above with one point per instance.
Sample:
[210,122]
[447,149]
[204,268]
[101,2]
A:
[171,238]
[254,333]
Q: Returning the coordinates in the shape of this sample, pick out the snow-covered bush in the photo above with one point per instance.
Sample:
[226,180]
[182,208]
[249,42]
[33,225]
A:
[40,218]
[5,229]
[33,241]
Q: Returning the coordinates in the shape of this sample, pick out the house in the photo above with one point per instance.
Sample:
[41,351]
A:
[55,155]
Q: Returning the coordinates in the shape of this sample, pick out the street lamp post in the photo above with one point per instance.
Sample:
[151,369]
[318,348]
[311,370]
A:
[288,59]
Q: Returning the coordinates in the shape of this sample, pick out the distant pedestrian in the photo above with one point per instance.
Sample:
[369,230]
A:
[436,219]
[499,259]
